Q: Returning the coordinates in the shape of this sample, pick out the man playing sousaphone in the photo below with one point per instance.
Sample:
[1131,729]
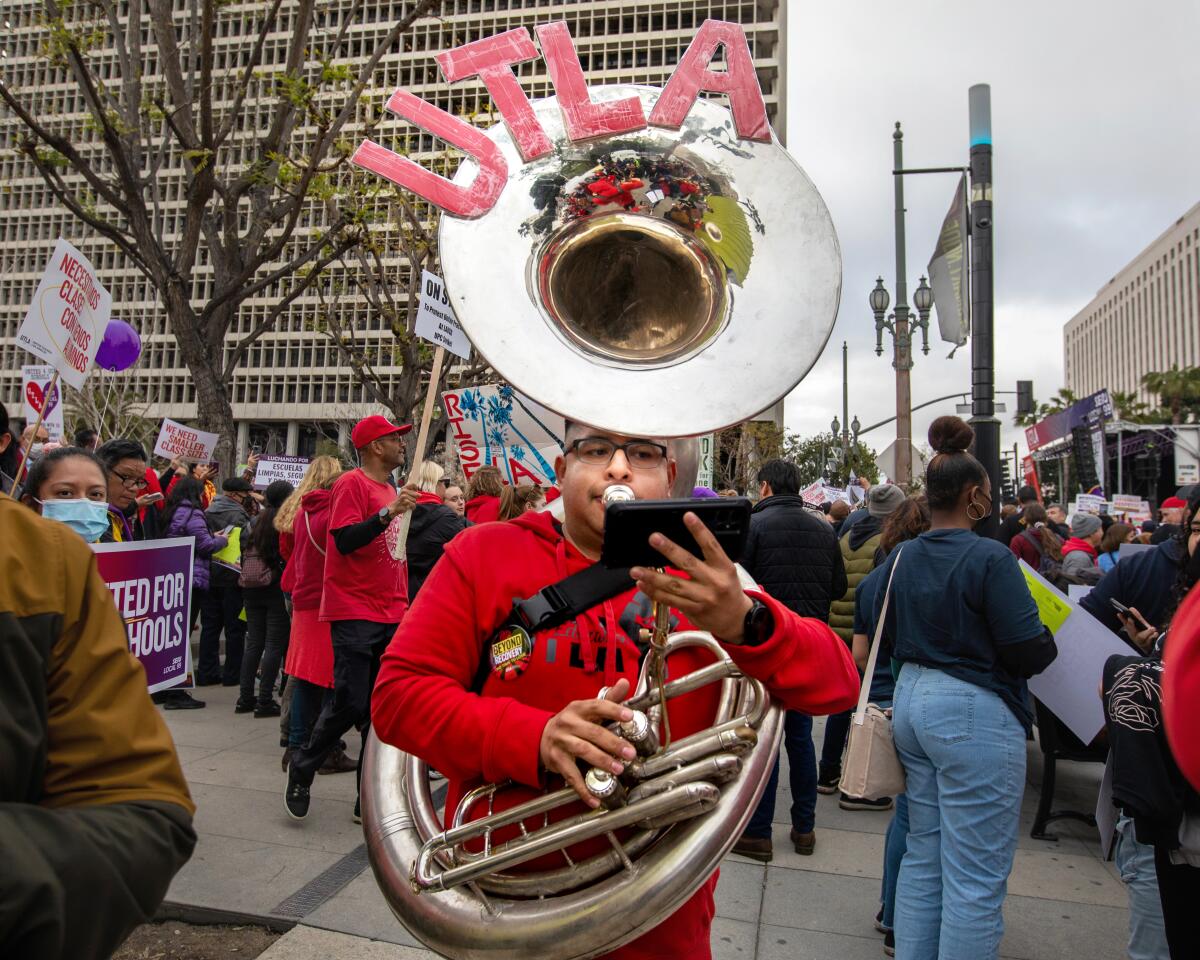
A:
[454,691]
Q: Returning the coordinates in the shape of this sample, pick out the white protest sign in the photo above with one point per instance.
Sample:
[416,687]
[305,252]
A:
[836,493]
[1068,686]
[36,393]
[1126,503]
[813,494]
[1129,549]
[176,441]
[1090,503]
[435,318]
[271,469]
[495,425]
[66,320]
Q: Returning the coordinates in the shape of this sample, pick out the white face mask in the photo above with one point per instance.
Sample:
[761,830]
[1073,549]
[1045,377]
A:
[37,449]
[88,518]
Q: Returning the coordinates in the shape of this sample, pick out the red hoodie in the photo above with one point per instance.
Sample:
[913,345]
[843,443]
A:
[304,575]
[422,704]
[1074,543]
[481,509]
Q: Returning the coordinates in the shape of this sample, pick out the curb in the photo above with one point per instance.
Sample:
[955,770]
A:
[192,913]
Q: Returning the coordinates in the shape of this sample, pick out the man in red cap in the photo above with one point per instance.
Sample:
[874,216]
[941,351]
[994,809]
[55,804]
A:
[1171,511]
[364,597]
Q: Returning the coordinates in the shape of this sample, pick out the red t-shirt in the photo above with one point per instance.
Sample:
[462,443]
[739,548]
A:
[367,583]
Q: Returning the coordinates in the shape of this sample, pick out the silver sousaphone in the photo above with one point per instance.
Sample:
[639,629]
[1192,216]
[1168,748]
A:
[655,283]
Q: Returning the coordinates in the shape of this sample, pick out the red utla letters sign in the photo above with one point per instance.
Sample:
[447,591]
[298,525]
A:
[492,59]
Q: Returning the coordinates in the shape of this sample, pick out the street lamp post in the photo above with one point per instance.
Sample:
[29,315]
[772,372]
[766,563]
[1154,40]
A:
[901,322]
[846,426]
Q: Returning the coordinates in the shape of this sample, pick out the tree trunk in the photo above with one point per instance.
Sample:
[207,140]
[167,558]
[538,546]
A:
[202,355]
[216,416]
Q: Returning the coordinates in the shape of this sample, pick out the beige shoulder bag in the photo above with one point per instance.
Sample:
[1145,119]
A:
[871,768]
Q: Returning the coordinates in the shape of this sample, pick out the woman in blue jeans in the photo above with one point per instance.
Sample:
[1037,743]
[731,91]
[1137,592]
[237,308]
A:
[966,633]
[906,522]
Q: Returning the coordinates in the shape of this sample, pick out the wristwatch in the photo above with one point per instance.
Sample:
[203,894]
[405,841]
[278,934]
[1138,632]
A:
[385,516]
[758,625]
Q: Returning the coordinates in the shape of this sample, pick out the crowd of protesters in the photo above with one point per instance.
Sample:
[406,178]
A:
[297,594]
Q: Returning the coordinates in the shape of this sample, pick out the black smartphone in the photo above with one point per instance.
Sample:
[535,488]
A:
[1119,606]
[628,525]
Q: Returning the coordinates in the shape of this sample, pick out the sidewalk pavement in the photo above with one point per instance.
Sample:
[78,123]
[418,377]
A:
[1063,902]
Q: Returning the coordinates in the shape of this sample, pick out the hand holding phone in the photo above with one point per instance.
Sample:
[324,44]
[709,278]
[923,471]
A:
[710,595]
[628,525]
[1135,625]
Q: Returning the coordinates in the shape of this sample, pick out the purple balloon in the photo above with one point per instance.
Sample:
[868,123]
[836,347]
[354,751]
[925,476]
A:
[120,348]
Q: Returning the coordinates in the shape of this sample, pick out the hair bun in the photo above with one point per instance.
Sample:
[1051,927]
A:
[950,435]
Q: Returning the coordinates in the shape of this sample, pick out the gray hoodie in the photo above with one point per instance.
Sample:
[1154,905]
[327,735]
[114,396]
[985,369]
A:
[224,512]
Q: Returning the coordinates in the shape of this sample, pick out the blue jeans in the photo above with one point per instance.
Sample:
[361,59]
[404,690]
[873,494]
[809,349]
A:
[895,843]
[963,752]
[802,774]
[1147,936]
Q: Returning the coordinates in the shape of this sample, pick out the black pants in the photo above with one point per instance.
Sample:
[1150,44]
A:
[357,647]
[1179,890]
[267,629]
[221,609]
[837,728]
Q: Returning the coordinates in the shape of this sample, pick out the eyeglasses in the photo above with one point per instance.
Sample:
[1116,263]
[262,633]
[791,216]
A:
[133,483]
[598,452]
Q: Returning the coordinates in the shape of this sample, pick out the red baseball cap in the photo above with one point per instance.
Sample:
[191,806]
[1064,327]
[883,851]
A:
[1173,503]
[374,427]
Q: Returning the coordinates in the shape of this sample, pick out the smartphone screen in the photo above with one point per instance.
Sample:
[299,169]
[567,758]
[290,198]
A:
[628,525]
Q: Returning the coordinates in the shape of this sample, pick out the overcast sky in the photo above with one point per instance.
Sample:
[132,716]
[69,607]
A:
[1097,151]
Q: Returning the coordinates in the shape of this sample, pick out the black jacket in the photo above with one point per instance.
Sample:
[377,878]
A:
[433,526]
[1010,527]
[1146,581]
[794,556]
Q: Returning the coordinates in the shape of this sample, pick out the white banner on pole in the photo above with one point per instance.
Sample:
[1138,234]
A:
[65,322]
[948,272]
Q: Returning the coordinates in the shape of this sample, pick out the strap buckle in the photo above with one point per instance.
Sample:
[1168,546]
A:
[533,612]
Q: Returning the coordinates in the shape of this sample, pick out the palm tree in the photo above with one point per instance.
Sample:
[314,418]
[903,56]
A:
[1128,407]
[1175,388]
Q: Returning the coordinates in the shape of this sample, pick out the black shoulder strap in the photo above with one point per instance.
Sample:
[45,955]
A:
[567,599]
[558,603]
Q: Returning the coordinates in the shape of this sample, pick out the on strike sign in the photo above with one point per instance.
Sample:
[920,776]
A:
[435,318]
[186,443]
[151,585]
[66,320]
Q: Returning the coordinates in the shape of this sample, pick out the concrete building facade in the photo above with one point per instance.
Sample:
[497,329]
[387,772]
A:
[1145,319]
[293,389]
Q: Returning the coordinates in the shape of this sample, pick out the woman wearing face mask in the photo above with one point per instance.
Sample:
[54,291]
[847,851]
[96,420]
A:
[966,633]
[68,485]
